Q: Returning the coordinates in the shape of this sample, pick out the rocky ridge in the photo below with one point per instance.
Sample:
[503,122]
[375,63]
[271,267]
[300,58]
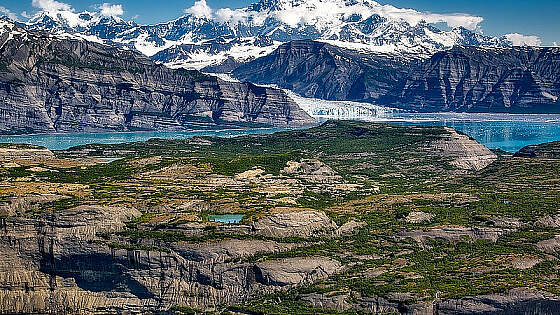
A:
[473,79]
[50,84]
[228,36]
[461,79]
[60,268]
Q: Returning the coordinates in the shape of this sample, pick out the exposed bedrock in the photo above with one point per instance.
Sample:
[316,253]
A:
[57,263]
[52,84]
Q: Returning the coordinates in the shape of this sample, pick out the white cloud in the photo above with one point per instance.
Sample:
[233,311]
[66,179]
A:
[554,44]
[200,9]
[51,5]
[323,13]
[5,11]
[25,14]
[414,17]
[111,9]
[523,40]
[228,15]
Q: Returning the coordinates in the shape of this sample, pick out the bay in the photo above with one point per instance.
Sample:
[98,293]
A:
[61,141]
[497,131]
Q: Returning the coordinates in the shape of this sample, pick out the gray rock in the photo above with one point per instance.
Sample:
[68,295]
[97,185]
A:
[61,85]
[350,227]
[16,206]
[550,150]
[417,217]
[463,152]
[551,245]
[13,152]
[549,221]
[295,223]
[455,234]
[296,271]
[312,170]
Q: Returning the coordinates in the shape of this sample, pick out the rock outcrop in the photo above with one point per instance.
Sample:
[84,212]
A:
[463,151]
[57,263]
[313,171]
[52,84]
[455,234]
[295,271]
[417,217]
[16,206]
[294,223]
[320,70]
[551,245]
[550,150]
[518,301]
[16,152]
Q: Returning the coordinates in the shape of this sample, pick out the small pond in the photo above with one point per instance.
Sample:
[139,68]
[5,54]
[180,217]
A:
[226,218]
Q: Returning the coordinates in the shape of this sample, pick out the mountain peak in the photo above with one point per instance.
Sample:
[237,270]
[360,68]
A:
[198,40]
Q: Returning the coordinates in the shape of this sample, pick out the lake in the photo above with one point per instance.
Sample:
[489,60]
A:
[226,218]
[497,131]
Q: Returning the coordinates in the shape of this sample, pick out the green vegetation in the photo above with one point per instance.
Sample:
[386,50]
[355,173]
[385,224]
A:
[178,182]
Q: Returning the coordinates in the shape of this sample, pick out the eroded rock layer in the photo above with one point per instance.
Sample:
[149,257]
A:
[62,85]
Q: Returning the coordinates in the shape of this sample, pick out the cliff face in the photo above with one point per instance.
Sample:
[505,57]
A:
[320,70]
[52,264]
[63,85]
[463,79]
[515,80]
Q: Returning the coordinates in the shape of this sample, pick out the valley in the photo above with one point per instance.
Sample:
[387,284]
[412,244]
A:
[280,157]
[347,217]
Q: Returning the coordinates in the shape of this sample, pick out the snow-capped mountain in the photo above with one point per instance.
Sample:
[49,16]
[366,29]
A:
[205,37]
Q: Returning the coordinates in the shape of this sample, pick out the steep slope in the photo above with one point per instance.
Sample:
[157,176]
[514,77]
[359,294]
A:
[463,79]
[206,37]
[320,70]
[50,84]
[515,80]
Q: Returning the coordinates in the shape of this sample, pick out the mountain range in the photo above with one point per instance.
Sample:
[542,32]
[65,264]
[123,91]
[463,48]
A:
[53,84]
[463,79]
[203,37]
[346,50]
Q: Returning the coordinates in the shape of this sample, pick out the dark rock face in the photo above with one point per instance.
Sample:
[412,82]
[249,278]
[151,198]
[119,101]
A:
[320,70]
[59,85]
[549,150]
[513,80]
[463,79]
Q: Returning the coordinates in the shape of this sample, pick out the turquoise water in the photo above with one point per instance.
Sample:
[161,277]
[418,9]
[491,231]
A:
[508,136]
[497,131]
[226,218]
[65,141]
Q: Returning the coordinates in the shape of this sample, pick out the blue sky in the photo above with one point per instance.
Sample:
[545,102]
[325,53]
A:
[537,17]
